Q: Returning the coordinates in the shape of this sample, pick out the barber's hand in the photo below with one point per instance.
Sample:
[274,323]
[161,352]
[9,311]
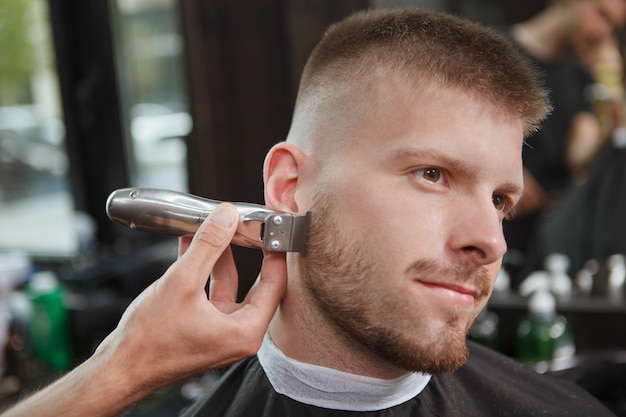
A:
[172,330]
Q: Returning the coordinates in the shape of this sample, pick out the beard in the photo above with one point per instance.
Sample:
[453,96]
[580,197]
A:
[348,288]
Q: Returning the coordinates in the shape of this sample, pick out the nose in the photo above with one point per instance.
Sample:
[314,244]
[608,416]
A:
[476,235]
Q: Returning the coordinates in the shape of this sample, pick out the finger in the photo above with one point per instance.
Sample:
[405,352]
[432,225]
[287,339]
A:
[224,279]
[183,244]
[208,244]
[263,298]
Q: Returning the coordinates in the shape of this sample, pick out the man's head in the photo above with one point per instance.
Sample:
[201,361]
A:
[406,148]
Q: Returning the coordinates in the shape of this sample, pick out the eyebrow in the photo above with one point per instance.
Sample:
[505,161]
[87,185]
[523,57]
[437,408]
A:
[510,188]
[456,164]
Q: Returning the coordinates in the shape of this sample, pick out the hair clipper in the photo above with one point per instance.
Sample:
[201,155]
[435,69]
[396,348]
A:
[175,213]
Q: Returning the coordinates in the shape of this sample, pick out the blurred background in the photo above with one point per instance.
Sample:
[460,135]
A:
[189,95]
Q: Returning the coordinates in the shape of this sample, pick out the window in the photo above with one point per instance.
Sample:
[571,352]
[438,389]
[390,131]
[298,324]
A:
[148,49]
[36,208]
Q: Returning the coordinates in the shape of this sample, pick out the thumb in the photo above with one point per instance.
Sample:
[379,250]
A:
[209,242]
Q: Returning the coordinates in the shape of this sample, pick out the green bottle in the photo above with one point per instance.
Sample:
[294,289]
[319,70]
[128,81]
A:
[49,322]
[543,335]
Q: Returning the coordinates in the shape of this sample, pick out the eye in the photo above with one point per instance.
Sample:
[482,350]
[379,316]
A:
[500,203]
[433,175]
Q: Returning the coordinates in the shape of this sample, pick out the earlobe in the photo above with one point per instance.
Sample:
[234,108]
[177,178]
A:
[281,173]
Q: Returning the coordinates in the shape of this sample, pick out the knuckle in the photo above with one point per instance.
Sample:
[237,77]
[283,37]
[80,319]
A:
[211,237]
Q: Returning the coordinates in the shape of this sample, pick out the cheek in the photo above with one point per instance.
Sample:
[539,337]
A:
[390,217]
[361,207]
[395,224]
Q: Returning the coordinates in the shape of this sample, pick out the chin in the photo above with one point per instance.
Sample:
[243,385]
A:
[440,352]
[436,362]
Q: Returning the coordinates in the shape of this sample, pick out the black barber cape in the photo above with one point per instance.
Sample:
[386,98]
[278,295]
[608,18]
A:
[489,384]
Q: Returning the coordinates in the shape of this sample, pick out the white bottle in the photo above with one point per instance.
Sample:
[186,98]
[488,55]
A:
[616,278]
[557,265]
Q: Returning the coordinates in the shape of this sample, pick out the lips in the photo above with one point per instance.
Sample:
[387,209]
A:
[460,283]
[460,288]
[452,292]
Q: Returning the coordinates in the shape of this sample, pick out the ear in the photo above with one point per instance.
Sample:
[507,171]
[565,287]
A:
[281,173]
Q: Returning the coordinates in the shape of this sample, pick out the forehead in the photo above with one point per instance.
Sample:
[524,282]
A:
[426,108]
[405,118]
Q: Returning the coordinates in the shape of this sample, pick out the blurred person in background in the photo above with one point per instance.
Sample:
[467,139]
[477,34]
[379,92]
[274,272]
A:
[564,41]
[606,63]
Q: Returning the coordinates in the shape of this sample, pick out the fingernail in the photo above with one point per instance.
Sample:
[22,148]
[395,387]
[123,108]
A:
[223,216]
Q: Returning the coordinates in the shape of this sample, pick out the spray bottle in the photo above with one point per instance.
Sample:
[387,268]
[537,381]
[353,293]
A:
[49,321]
[543,335]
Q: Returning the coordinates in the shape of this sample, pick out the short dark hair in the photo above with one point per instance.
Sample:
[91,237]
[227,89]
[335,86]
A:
[428,46]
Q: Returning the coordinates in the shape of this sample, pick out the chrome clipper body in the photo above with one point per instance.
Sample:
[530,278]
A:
[175,213]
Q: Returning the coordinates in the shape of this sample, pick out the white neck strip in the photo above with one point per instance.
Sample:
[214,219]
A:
[333,389]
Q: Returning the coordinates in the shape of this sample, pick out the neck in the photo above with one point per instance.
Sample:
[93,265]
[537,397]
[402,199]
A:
[303,332]
[546,36]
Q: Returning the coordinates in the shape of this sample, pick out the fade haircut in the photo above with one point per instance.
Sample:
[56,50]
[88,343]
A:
[422,47]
